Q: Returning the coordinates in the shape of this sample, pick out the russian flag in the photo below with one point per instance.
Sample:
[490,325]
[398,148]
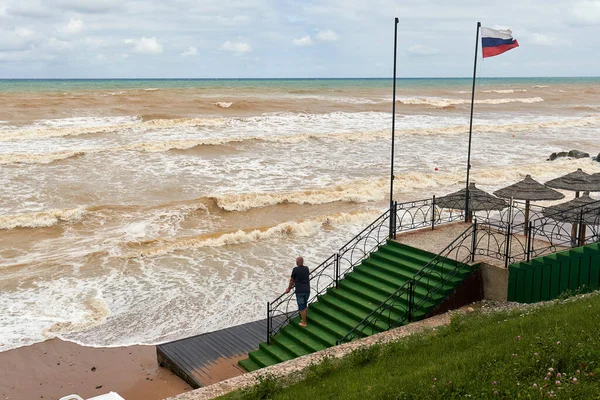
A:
[494,42]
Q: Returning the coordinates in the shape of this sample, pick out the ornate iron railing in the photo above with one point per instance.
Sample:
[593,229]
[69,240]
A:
[404,217]
[329,272]
[400,307]
[572,227]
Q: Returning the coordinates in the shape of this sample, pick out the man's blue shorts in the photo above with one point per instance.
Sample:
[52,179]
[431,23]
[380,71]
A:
[302,299]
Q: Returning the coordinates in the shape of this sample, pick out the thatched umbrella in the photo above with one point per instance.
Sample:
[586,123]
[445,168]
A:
[582,209]
[529,190]
[577,181]
[478,200]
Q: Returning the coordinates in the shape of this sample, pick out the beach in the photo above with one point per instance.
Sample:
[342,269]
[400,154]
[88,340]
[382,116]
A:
[135,212]
[55,368]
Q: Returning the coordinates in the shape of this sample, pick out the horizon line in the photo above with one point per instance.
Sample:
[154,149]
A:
[304,78]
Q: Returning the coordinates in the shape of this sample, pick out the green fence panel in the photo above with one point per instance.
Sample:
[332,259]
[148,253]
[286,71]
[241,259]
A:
[520,290]
[594,269]
[545,278]
[554,276]
[538,278]
[584,267]
[528,287]
[512,282]
[575,268]
[565,263]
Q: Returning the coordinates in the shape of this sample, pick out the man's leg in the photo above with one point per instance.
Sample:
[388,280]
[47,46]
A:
[303,314]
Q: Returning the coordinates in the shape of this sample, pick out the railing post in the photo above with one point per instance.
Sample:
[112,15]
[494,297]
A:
[337,269]
[581,232]
[269,323]
[530,231]
[507,250]
[474,243]
[392,220]
[433,212]
[410,299]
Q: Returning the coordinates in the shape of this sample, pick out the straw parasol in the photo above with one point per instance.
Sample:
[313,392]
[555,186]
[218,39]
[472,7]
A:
[577,181]
[529,190]
[582,209]
[478,200]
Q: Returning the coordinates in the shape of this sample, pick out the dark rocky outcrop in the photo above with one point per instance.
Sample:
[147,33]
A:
[554,156]
[578,154]
[597,158]
[571,154]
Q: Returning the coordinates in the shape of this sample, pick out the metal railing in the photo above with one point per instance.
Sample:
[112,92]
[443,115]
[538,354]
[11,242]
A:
[402,217]
[400,307]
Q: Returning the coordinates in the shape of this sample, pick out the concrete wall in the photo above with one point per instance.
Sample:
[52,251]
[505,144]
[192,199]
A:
[495,282]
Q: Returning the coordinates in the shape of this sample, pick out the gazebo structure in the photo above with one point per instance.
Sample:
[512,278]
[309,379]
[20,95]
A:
[478,201]
[529,190]
[584,210]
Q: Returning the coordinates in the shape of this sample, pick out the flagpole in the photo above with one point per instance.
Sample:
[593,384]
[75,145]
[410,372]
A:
[392,215]
[471,123]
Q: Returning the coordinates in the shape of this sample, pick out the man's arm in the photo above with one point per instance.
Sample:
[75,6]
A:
[290,286]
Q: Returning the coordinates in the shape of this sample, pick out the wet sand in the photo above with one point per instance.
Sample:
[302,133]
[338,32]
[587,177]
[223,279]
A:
[55,368]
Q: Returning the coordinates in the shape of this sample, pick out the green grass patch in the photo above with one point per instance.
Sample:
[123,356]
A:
[550,351]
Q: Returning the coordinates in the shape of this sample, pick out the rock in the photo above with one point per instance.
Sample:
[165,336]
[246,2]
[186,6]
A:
[94,368]
[99,387]
[597,158]
[554,156]
[470,309]
[578,154]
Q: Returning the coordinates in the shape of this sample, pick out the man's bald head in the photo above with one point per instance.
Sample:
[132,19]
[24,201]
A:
[299,261]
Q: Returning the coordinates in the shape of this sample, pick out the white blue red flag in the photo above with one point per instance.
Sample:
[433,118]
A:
[494,42]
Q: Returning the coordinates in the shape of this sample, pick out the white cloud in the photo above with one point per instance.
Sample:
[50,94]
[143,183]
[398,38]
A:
[236,47]
[303,41]
[327,36]
[191,51]
[145,45]
[420,50]
[545,40]
[74,27]
[587,11]
[24,33]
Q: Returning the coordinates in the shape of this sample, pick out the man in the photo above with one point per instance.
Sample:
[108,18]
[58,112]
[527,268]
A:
[301,280]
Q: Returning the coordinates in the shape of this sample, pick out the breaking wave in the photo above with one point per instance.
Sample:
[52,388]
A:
[43,219]
[505,91]
[223,104]
[116,125]
[286,229]
[443,103]
[359,191]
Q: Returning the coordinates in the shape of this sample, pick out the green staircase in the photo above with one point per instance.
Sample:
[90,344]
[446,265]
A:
[358,294]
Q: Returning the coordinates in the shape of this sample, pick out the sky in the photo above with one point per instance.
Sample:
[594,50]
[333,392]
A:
[291,38]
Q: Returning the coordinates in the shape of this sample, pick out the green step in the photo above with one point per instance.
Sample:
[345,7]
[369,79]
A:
[277,351]
[249,365]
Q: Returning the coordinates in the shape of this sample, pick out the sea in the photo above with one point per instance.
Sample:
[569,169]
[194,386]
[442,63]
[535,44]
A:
[144,211]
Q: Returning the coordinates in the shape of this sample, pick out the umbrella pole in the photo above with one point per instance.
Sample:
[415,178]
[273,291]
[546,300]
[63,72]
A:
[526,216]
[582,235]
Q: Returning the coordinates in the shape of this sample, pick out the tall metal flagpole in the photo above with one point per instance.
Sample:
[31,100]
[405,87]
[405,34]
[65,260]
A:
[471,123]
[392,215]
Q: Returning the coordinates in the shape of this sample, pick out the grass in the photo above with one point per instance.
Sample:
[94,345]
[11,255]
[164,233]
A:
[549,351]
